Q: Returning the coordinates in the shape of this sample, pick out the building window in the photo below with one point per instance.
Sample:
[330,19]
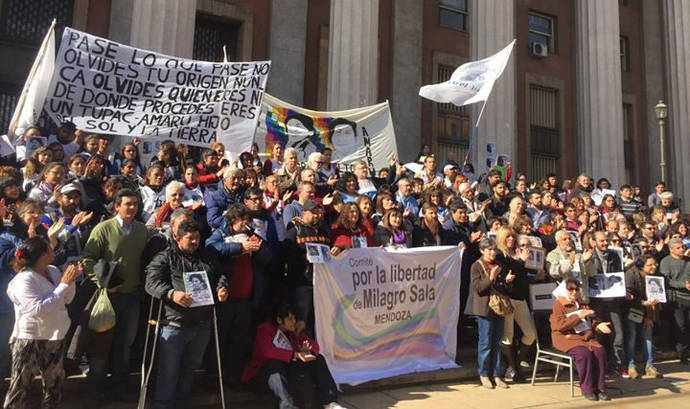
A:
[625,54]
[628,136]
[453,14]
[453,124]
[26,21]
[210,35]
[541,30]
[9,97]
[544,131]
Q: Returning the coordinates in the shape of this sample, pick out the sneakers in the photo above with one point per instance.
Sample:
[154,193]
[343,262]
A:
[500,383]
[624,374]
[591,396]
[603,396]
[632,372]
[333,405]
[486,382]
[651,372]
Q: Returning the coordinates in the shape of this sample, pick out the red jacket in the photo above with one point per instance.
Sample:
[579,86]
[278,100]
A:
[342,237]
[206,176]
[264,349]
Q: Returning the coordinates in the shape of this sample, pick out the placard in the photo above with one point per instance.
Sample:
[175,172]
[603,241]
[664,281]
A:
[318,253]
[535,258]
[655,288]
[541,296]
[33,143]
[197,285]
[606,285]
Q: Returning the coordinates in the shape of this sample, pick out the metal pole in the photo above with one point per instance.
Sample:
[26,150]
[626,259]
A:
[661,141]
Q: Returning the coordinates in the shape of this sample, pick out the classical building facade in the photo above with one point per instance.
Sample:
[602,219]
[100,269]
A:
[577,95]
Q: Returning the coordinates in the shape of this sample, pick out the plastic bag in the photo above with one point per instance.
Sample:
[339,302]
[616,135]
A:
[102,316]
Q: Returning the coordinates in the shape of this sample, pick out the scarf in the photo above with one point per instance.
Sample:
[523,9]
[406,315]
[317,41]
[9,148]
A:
[163,214]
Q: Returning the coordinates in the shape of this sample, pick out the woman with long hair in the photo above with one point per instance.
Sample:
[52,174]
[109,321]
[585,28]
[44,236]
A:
[366,210]
[51,177]
[94,175]
[76,166]
[34,167]
[275,162]
[513,252]
[347,232]
[40,294]
[392,232]
[129,151]
[347,187]
[384,203]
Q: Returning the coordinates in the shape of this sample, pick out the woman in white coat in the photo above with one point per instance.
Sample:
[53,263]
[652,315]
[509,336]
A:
[40,293]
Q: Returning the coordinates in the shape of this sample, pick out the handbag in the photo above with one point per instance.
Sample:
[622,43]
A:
[499,303]
[635,315]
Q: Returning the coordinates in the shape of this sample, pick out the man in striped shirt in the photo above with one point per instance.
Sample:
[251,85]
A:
[628,205]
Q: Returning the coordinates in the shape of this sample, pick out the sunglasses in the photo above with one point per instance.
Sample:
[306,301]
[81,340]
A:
[571,288]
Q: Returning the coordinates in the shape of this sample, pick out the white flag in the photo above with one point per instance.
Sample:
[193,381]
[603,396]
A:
[471,82]
[36,87]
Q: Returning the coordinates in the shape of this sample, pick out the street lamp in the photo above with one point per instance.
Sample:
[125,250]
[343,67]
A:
[661,111]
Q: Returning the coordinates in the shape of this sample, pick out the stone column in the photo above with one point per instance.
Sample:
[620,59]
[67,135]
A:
[287,50]
[598,87]
[676,33]
[406,106]
[654,84]
[166,26]
[492,27]
[353,54]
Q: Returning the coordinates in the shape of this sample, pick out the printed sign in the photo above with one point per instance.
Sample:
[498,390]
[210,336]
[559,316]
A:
[655,289]
[383,312]
[606,285]
[110,88]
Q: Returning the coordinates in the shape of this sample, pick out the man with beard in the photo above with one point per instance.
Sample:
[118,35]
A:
[309,228]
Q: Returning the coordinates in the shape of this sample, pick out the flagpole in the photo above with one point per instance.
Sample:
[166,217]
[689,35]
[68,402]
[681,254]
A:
[473,134]
[29,80]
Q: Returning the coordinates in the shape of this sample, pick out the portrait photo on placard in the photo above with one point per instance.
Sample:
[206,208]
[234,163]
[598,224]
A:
[655,289]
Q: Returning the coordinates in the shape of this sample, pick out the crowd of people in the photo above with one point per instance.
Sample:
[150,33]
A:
[81,223]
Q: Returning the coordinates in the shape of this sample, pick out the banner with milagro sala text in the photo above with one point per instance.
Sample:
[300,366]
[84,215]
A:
[110,88]
[362,133]
[383,312]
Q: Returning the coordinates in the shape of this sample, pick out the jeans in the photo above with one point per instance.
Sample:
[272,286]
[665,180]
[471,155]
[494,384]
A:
[635,332]
[6,327]
[490,330]
[180,352]
[611,311]
[126,306]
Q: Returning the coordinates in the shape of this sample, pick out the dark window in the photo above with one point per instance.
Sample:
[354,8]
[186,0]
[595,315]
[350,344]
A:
[210,35]
[9,96]
[26,21]
[625,54]
[628,136]
[453,121]
[544,131]
[453,14]
[541,30]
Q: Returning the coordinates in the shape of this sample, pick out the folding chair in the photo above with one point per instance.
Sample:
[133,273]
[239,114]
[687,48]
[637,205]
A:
[552,356]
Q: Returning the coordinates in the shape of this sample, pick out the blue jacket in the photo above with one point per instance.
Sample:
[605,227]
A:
[226,250]
[7,250]
[217,202]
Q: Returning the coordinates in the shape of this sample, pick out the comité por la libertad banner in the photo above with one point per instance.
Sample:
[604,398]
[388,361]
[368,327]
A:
[382,312]
[110,88]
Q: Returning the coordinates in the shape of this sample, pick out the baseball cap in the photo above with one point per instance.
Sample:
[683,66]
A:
[310,205]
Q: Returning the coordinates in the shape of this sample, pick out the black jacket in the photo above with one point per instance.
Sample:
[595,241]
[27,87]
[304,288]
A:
[384,237]
[299,270]
[164,273]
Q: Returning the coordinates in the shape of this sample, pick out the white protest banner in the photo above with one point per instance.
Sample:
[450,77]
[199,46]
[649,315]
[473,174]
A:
[110,88]
[383,312]
[33,95]
[471,82]
[363,133]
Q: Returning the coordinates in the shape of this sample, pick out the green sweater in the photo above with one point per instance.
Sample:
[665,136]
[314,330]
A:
[109,241]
